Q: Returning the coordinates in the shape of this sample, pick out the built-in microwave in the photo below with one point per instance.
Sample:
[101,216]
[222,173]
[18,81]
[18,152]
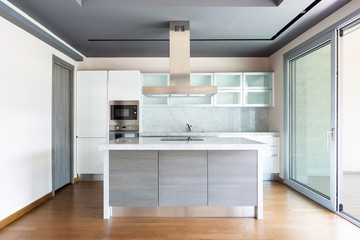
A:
[124,113]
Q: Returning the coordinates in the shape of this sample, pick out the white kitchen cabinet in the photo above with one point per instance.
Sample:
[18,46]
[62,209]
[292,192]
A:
[270,154]
[124,85]
[230,92]
[235,89]
[228,98]
[258,89]
[89,159]
[258,98]
[154,79]
[261,80]
[196,79]
[91,103]
[228,80]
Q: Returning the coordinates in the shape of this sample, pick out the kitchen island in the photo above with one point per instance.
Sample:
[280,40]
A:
[183,177]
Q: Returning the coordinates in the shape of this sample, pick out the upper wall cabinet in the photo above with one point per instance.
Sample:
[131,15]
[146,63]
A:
[234,89]
[258,89]
[228,80]
[196,79]
[124,85]
[154,79]
[258,80]
[229,89]
[91,103]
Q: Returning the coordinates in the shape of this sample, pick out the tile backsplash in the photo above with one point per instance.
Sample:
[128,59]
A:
[204,119]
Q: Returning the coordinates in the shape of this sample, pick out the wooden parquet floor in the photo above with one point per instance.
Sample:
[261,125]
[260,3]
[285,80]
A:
[76,213]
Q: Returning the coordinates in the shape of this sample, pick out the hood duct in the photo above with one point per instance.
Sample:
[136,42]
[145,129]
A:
[179,67]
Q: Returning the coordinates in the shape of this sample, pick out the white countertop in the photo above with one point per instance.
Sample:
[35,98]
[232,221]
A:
[208,143]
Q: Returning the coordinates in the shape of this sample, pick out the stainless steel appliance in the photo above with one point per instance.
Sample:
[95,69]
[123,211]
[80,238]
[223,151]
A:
[124,113]
[123,119]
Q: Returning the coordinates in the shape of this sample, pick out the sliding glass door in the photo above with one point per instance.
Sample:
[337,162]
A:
[349,119]
[310,121]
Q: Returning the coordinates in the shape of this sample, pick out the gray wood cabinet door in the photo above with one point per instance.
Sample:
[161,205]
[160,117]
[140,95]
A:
[182,178]
[232,178]
[133,178]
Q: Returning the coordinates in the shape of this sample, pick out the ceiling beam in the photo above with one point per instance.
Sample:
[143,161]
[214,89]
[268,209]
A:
[79,2]
[27,25]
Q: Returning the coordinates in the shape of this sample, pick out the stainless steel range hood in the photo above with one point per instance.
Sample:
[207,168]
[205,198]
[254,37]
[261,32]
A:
[179,67]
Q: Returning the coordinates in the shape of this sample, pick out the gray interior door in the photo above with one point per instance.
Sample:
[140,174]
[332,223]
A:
[61,118]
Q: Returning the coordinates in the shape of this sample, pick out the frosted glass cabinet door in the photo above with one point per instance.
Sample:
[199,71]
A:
[89,159]
[258,98]
[201,79]
[124,85]
[258,80]
[228,80]
[91,103]
[154,79]
[228,98]
[196,79]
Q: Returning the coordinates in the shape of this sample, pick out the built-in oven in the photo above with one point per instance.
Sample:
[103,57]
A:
[123,131]
[124,120]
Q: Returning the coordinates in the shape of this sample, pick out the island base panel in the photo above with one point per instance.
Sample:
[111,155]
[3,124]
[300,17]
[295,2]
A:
[240,211]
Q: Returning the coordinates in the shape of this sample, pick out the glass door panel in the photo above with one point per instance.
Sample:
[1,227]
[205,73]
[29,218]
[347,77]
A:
[349,119]
[310,111]
[310,129]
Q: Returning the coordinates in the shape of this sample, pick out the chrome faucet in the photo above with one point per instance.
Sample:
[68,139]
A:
[189,127]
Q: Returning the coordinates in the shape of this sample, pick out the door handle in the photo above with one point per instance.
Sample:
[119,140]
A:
[330,135]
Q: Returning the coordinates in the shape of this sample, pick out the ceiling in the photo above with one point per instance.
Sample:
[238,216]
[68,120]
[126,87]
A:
[140,28]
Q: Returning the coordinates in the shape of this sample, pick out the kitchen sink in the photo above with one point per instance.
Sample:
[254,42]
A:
[183,139]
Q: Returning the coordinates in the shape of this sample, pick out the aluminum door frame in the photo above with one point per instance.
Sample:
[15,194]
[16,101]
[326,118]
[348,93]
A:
[302,49]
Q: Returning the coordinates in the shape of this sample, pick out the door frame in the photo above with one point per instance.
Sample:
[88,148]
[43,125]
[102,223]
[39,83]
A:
[58,61]
[354,19]
[303,49]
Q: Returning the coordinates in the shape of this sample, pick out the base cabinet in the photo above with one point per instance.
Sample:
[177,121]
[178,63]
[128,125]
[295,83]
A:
[271,154]
[182,178]
[232,178]
[133,178]
[169,178]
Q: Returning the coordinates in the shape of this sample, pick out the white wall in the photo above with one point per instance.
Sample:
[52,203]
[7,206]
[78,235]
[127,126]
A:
[162,64]
[349,124]
[25,122]
[276,65]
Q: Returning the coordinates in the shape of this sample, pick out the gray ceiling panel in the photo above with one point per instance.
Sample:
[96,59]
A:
[141,20]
